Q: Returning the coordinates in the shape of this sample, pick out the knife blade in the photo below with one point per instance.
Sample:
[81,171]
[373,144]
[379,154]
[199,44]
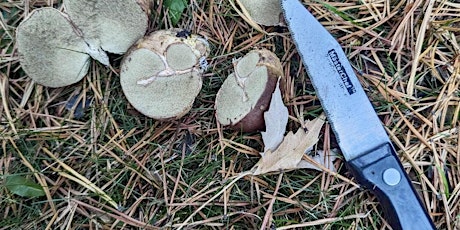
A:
[362,139]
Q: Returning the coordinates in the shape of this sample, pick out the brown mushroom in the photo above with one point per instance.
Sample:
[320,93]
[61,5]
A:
[246,94]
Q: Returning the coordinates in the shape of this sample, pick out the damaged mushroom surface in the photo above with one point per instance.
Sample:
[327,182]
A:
[55,48]
[110,25]
[245,95]
[161,74]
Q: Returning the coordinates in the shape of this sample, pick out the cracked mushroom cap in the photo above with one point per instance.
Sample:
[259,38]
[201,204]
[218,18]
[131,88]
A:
[161,74]
[52,54]
[246,94]
[112,25]
[55,50]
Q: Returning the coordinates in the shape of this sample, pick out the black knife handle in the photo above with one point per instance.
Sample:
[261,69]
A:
[381,172]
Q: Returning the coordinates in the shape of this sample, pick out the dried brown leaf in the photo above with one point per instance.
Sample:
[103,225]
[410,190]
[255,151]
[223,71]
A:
[289,154]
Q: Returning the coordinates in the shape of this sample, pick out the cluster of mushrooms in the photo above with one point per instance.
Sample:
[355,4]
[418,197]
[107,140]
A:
[160,74]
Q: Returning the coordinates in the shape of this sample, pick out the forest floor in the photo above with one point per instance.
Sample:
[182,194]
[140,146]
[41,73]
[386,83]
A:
[114,168]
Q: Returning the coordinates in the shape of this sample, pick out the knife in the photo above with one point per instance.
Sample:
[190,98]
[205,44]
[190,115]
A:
[362,139]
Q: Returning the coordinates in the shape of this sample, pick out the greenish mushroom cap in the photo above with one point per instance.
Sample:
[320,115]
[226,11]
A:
[51,52]
[161,75]
[55,50]
[264,12]
[113,25]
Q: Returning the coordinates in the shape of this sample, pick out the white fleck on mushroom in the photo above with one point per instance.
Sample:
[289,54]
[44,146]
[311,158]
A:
[245,95]
[161,74]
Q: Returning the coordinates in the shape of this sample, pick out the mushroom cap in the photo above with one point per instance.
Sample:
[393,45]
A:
[264,12]
[161,40]
[160,75]
[113,25]
[246,94]
[51,52]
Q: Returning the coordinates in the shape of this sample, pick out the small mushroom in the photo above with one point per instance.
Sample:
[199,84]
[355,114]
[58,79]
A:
[246,94]
[55,48]
[161,74]
[264,12]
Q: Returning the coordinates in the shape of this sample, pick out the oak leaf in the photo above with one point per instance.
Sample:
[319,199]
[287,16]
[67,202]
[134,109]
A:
[289,154]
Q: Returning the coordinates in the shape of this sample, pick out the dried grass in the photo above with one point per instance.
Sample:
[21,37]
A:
[114,168]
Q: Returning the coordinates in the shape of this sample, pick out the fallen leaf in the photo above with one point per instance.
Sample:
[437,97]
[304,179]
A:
[289,153]
[176,8]
[276,119]
[23,187]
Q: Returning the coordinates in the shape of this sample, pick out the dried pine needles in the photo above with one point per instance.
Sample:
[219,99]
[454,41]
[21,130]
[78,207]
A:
[114,168]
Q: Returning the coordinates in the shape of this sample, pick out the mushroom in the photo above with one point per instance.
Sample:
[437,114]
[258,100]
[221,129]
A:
[161,74]
[55,49]
[264,12]
[111,25]
[246,94]
[52,53]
